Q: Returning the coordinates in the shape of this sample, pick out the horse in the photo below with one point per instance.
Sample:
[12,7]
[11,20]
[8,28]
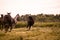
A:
[30,22]
[8,23]
[1,22]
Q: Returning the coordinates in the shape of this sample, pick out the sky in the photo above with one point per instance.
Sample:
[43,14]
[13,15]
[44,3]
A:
[33,7]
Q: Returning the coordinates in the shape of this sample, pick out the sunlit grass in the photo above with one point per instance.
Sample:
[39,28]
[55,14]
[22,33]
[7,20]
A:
[36,33]
[39,31]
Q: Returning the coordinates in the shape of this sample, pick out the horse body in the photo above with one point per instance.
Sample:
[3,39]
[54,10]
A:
[6,22]
[9,22]
[30,22]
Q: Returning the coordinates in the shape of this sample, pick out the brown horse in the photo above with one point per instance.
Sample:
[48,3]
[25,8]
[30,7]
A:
[30,22]
[1,22]
[8,23]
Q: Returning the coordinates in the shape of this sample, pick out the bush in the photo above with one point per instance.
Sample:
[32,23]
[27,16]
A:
[21,24]
[47,24]
[38,24]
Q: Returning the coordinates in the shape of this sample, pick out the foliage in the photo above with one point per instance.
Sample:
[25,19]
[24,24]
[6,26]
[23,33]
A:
[20,24]
[38,24]
[43,18]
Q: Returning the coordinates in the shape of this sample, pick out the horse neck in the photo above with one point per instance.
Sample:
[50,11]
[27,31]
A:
[16,17]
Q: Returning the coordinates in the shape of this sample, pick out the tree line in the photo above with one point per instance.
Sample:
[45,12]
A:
[41,17]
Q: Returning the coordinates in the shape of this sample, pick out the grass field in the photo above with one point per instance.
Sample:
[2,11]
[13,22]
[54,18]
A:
[38,24]
[36,33]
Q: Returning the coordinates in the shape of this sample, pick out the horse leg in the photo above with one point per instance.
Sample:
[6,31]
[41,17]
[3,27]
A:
[6,28]
[10,28]
[1,27]
[29,27]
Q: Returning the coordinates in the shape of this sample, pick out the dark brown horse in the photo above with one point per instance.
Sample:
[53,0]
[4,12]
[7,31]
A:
[8,22]
[30,22]
[1,22]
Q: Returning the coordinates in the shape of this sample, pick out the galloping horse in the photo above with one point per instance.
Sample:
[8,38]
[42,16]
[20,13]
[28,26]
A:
[30,22]
[8,22]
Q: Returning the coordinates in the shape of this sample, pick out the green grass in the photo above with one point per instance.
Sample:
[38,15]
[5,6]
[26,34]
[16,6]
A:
[38,24]
[21,24]
[46,24]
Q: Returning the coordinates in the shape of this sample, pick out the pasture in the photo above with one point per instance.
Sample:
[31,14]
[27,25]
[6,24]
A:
[40,31]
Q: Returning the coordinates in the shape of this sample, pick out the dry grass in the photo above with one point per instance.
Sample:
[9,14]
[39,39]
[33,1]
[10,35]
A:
[36,33]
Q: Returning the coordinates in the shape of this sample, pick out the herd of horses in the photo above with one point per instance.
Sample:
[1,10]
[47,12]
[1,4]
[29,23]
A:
[7,22]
